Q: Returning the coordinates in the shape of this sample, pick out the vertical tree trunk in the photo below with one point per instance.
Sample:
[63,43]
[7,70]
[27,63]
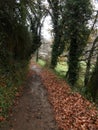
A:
[54,57]
[37,55]
[87,74]
[55,17]
[93,83]
[73,62]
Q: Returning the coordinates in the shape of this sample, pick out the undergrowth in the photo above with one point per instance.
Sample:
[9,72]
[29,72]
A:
[11,79]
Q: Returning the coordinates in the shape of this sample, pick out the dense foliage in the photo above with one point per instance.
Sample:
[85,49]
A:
[21,22]
[56,11]
[77,14]
[17,43]
[71,29]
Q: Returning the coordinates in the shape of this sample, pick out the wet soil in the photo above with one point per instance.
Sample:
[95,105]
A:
[33,111]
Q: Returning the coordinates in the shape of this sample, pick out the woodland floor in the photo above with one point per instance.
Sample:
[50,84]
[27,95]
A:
[48,103]
[33,110]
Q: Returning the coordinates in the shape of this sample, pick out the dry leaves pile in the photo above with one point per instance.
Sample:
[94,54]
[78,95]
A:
[72,111]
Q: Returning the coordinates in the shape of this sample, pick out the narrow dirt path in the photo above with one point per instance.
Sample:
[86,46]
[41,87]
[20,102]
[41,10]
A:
[33,111]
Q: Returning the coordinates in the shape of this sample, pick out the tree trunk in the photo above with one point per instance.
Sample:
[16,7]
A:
[87,74]
[54,57]
[37,55]
[73,62]
[93,83]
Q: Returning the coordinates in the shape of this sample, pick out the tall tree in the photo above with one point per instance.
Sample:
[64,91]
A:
[14,27]
[90,56]
[93,83]
[91,52]
[16,40]
[78,12]
[16,17]
[37,14]
[56,11]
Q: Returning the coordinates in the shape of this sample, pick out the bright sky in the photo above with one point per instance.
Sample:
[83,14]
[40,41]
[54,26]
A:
[47,27]
[95,4]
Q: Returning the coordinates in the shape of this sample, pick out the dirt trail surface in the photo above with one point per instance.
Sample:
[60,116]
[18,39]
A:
[33,111]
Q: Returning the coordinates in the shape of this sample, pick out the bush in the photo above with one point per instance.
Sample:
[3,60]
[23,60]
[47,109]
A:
[11,79]
[6,99]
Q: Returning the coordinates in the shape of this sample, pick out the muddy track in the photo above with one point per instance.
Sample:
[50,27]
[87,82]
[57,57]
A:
[33,111]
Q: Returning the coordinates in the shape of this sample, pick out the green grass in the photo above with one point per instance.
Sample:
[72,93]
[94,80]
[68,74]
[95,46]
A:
[82,67]
[61,69]
[41,62]
[82,70]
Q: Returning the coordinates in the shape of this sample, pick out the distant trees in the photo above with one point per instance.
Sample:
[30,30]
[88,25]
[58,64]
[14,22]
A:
[37,14]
